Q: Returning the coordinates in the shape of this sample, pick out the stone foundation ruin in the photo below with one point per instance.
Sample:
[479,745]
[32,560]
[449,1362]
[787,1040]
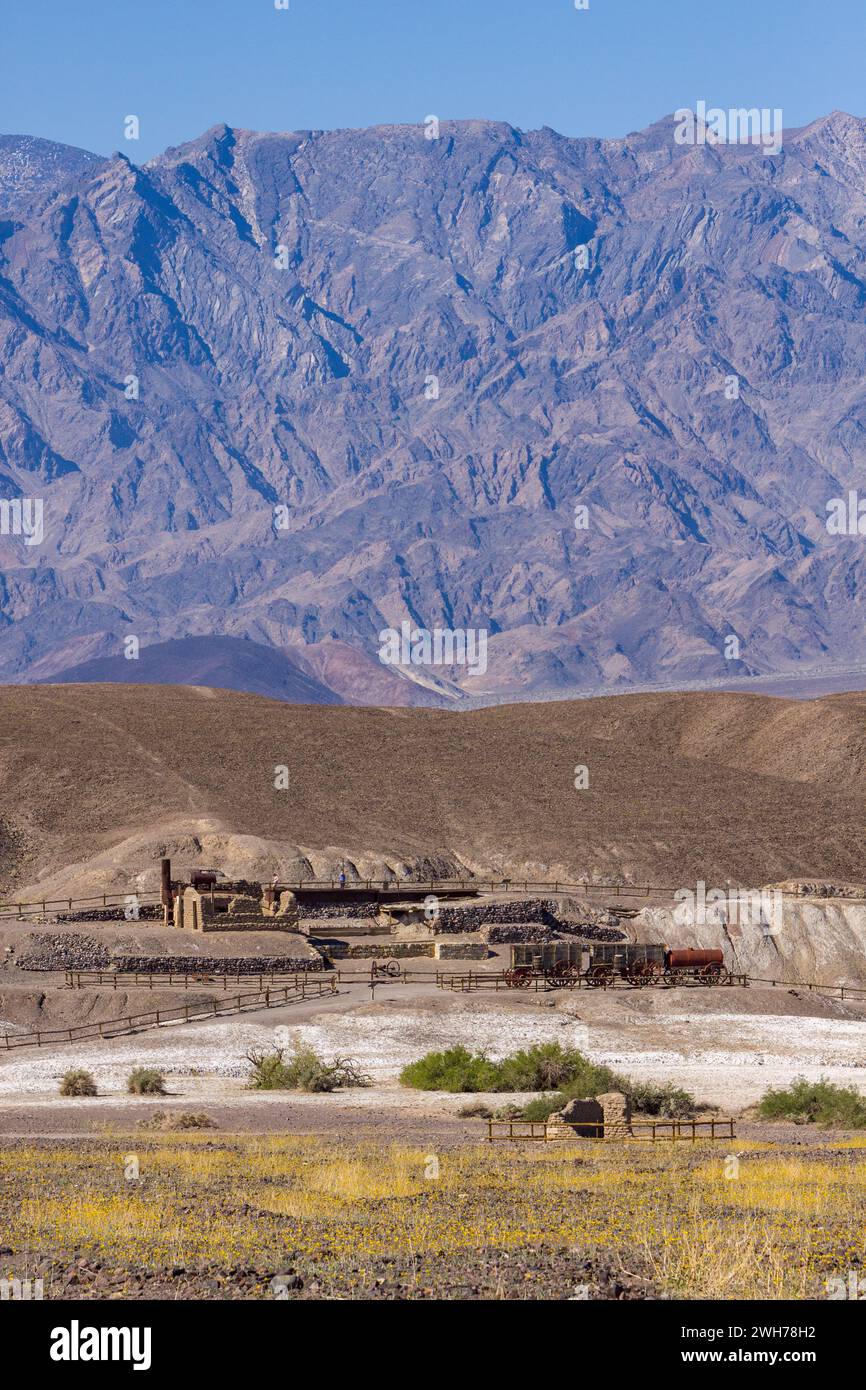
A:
[212,909]
[603,1117]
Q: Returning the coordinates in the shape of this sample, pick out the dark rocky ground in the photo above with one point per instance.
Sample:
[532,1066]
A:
[522,1274]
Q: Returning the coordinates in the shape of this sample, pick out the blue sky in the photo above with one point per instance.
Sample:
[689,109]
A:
[72,72]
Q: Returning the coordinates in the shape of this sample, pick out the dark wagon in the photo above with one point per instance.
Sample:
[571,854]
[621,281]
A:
[562,965]
[637,963]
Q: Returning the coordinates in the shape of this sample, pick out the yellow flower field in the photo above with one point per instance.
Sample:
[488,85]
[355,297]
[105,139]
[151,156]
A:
[689,1221]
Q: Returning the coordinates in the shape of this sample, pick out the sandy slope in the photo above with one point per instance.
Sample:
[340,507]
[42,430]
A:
[717,786]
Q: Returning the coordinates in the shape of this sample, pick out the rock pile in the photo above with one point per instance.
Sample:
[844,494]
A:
[64,951]
[215,965]
[150,912]
[557,915]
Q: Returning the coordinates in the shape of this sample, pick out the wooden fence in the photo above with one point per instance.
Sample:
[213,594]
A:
[642,1131]
[185,1013]
[197,979]
[389,886]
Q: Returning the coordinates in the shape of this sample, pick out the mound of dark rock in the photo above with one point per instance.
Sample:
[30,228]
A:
[64,951]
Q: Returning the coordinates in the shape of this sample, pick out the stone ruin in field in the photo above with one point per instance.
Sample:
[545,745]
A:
[206,909]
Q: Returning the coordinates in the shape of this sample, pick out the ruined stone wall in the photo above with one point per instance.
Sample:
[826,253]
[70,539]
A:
[216,965]
[607,1116]
[342,950]
[532,919]
[461,950]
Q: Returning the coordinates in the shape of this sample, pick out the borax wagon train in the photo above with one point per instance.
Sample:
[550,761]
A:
[566,964]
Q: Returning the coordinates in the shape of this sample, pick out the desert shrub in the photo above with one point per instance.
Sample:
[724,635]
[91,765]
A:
[455,1069]
[544,1068]
[77,1082]
[670,1102]
[267,1070]
[145,1081]
[815,1102]
[475,1110]
[549,1067]
[178,1119]
[541,1108]
[302,1069]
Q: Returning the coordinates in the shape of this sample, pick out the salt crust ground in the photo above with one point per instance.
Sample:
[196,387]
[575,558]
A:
[726,1060]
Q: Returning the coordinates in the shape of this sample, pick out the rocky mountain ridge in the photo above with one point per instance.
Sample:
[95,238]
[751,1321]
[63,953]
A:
[300,388]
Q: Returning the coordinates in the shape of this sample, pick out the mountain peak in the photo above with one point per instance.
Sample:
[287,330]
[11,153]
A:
[310,387]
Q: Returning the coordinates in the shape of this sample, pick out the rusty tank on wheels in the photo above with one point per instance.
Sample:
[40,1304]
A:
[699,966]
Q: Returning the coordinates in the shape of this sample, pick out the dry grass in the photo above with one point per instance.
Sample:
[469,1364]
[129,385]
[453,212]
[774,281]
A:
[776,1230]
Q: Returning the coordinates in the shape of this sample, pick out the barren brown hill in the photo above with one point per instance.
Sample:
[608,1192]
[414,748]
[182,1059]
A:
[98,780]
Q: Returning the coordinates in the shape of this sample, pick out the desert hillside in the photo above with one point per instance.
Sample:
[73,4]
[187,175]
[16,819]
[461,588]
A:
[98,780]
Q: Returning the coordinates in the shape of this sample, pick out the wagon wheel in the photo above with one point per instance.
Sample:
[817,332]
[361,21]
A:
[640,973]
[560,976]
[712,974]
[384,967]
[674,977]
[568,974]
[518,977]
[599,976]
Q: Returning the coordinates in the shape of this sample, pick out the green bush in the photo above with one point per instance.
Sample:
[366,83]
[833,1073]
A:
[544,1068]
[815,1102]
[78,1083]
[549,1067]
[301,1070]
[541,1108]
[670,1102]
[456,1069]
[145,1081]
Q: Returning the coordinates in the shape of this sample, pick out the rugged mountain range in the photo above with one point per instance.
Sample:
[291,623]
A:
[300,388]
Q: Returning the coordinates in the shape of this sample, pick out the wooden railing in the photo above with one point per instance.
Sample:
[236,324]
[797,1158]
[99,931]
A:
[654,1131]
[69,904]
[186,1013]
[389,886]
[433,885]
[196,979]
